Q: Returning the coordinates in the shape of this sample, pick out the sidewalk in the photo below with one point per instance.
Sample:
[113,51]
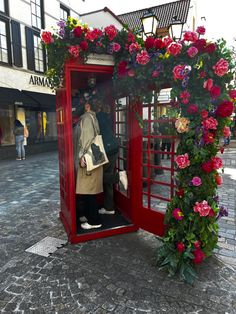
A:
[110,275]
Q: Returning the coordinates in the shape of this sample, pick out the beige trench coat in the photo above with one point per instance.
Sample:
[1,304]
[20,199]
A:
[86,182]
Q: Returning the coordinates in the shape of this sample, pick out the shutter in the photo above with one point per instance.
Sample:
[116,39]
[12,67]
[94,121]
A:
[30,48]
[16,43]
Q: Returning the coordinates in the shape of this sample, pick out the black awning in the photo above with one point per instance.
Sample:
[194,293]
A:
[43,101]
[11,96]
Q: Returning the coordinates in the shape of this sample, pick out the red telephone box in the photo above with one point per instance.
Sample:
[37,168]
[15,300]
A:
[150,178]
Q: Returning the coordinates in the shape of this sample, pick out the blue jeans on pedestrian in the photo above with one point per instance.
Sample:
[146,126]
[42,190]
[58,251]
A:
[20,149]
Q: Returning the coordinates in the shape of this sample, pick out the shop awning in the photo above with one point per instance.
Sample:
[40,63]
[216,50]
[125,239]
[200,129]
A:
[25,98]
[11,96]
[45,101]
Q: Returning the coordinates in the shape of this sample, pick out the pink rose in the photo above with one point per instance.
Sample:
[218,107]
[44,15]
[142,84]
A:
[196,181]
[201,30]
[210,123]
[178,72]
[192,51]
[221,67]
[226,131]
[174,49]
[131,73]
[202,208]
[111,32]
[167,41]
[155,73]
[116,47]
[204,114]
[74,51]
[182,161]
[47,37]
[190,36]
[208,84]
[232,94]
[142,57]
[134,47]
[177,214]
[217,162]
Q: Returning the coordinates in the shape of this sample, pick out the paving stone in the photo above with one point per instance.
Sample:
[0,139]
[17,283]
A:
[110,275]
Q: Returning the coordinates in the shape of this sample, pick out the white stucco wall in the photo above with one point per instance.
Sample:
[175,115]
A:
[101,19]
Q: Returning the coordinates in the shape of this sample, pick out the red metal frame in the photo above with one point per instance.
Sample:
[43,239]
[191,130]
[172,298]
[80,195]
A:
[130,203]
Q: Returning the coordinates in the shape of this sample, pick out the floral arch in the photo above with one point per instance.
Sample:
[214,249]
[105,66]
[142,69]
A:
[200,73]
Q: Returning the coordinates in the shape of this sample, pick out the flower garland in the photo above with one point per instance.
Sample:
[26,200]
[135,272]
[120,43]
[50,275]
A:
[200,73]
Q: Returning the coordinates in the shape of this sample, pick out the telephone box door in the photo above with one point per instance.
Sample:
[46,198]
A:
[152,167]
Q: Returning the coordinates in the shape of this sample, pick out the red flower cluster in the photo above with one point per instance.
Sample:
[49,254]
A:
[224,109]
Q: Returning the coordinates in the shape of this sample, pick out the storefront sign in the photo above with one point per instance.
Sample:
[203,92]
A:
[39,81]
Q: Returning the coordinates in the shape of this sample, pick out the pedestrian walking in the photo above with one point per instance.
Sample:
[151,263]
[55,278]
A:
[19,132]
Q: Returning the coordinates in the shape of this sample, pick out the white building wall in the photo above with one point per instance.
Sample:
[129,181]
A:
[101,19]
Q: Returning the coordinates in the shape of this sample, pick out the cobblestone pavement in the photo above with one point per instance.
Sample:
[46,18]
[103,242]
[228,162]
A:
[110,275]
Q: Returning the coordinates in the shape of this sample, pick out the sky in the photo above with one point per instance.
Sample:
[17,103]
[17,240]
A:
[219,15]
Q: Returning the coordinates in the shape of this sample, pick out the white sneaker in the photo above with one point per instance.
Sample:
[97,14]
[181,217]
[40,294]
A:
[123,179]
[104,211]
[87,226]
[83,219]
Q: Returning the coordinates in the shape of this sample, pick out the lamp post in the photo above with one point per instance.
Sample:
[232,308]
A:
[176,28]
[149,23]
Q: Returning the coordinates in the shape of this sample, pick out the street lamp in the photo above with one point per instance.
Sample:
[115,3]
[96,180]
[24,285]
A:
[176,28]
[149,23]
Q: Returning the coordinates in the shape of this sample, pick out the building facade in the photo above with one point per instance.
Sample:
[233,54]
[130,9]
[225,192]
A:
[25,92]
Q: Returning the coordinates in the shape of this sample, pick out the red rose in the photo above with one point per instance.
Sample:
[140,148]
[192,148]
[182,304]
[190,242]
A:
[197,244]
[208,138]
[207,166]
[215,92]
[200,44]
[83,45]
[149,42]
[174,49]
[201,30]
[218,179]
[159,44]
[204,114]
[122,68]
[142,57]
[180,193]
[111,32]
[211,48]
[199,255]
[232,94]
[131,38]
[78,31]
[192,109]
[225,109]
[180,247]
[47,37]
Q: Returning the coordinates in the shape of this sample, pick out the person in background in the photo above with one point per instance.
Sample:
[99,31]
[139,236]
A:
[111,146]
[165,129]
[88,184]
[19,139]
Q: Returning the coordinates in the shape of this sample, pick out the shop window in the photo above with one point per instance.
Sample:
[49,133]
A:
[6,125]
[64,12]
[41,126]
[5,54]
[37,13]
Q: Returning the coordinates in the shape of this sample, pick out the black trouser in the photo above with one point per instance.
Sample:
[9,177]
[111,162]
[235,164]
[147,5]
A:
[89,208]
[110,177]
